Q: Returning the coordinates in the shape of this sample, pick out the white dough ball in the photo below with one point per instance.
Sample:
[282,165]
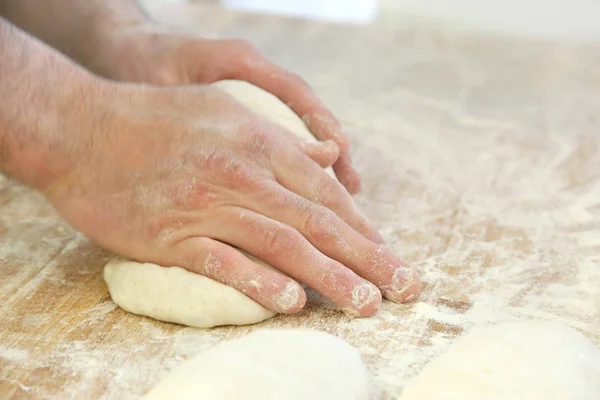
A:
[269,364]
[513,361]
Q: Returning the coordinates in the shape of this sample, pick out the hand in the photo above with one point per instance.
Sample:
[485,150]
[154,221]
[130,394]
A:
[161,55]
[178,176]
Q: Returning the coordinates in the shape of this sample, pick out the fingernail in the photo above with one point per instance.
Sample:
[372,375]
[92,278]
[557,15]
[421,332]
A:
[288,298]
[403,280]
[364,294]
[366,298]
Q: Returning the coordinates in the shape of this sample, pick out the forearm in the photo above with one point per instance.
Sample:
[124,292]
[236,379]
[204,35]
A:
[40,93]
[78,28]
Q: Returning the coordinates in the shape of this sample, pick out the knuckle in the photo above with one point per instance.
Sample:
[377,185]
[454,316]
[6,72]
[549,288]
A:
[331,195]
[332,203]
[275,200]
[231,168]
[320,225]
[217,263]
[281,240]
[193,194]
[168,228]
[259,140]
[237,171]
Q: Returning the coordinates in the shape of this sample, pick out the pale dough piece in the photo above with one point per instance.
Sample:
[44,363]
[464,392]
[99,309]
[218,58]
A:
[177,295]
[531,360]
[270,365]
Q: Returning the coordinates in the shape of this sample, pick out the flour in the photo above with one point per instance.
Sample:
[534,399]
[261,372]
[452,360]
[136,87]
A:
[479,167]
[33,320]
[484,258]
[15,355]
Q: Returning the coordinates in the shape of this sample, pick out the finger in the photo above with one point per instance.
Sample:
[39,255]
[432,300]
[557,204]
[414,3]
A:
[252,67]
[323,153]
[336,239]
[239,59]
[287,250]
[302,176]
[345,173]
[224,264]
[299,96]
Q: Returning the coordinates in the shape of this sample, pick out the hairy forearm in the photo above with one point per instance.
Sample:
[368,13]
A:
[40,93]
[78,28]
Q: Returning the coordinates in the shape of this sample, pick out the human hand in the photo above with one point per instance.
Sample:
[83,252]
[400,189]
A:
[152,53]
[183,176]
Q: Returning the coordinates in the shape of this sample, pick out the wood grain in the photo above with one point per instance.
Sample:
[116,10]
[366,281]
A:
[481,162]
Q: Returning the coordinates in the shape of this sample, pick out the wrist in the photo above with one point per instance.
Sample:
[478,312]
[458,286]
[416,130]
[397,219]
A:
[45,104]
[48,137]
[78,29]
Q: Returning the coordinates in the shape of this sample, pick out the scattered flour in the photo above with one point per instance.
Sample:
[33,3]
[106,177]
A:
[14,355]
[473,171]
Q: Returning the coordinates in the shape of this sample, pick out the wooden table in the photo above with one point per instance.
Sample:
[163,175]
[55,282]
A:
[481,162]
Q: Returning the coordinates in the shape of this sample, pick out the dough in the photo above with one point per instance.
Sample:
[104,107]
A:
[513,361]
[176,295]
[270,365]
[267,106]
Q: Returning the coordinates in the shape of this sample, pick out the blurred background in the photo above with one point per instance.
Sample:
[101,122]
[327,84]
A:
[551,19]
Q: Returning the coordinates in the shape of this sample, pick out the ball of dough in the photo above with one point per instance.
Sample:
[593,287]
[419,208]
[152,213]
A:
[513,361]
[177,295]
[270,365]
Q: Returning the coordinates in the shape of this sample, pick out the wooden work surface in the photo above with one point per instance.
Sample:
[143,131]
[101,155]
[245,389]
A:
[481,162]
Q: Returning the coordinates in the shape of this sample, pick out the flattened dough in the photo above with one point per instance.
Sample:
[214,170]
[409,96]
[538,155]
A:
[531,360]
[175,295]
[270,365]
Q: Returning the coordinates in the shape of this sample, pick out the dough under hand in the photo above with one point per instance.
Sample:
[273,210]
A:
[270,365]
[513,361]
[176,295]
